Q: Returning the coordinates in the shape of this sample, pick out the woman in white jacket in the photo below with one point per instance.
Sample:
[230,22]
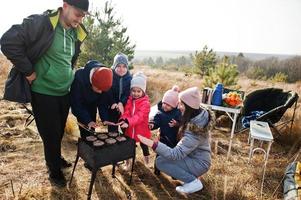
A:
[191,157]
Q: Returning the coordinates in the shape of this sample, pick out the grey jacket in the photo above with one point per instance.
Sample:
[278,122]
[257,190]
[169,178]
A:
[194,148]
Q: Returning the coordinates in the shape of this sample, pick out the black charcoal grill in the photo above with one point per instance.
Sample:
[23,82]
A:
[108,154]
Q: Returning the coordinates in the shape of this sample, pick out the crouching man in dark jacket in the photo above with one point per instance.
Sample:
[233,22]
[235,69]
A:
[43,50]
[89,94]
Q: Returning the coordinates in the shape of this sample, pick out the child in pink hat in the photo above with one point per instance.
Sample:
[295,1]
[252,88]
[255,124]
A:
[167,119]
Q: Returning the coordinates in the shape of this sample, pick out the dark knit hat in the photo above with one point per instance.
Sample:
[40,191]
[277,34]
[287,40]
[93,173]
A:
[80,4]
[102,78]
[120,58]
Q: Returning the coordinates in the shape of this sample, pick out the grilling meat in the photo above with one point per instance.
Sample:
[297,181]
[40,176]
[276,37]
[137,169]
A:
[91,138]
[98,143]
[102,136]
[113,134]
[120,138]
[110,141]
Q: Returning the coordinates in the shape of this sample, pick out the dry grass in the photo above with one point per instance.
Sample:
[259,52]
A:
[159,81]
[4,70]
[4,66]
[21,158]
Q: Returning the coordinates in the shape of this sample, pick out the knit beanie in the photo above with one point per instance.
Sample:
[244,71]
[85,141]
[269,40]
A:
[139,80]
[120,58]
[191,97]
[171,97]
[102,78]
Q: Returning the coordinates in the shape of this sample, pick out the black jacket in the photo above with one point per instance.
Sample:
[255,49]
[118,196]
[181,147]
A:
[24,44]
[168,135]
[84,101]
[120,90]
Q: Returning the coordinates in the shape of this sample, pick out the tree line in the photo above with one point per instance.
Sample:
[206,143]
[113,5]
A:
[272,68]
[289,69]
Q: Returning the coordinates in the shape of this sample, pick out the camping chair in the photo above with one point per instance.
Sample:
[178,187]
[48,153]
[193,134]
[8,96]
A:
[30,118]
[274,102]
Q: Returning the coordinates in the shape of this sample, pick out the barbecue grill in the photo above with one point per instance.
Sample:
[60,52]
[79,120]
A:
[107,154]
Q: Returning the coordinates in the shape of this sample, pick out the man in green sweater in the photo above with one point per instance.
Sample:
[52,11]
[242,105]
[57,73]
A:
[44,49]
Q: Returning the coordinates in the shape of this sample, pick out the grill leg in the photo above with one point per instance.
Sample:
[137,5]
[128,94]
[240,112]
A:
[76,160]
[94,172]
[113,170]
[28,120]
[293,117]
[133,160]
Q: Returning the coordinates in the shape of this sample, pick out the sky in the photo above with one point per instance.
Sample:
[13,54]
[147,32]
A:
[250,26]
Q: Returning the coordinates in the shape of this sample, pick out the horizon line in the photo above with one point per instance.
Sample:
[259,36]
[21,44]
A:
[237,52]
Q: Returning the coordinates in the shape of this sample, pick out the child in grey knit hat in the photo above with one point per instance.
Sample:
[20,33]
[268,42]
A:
[120,90]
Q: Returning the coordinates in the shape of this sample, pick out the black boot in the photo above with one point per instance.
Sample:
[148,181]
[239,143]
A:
[57,178]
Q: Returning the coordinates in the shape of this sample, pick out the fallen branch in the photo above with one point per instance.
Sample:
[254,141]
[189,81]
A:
[12,116]
[4,185]
[222,149]
[20,190]
[12,187]
[225,187]
[32,131]
[215,146]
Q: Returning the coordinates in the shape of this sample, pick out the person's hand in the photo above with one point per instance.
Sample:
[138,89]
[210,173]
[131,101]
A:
[173,123]
[105,123]
[113,106]
[120,108]
[31,78]
[145,140]
[151,126]
[123,124]
[92,125]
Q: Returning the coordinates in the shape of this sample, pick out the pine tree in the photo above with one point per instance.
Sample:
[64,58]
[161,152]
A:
[204,61]
[159,62]
[106,38]
[225,73]
[151,62]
